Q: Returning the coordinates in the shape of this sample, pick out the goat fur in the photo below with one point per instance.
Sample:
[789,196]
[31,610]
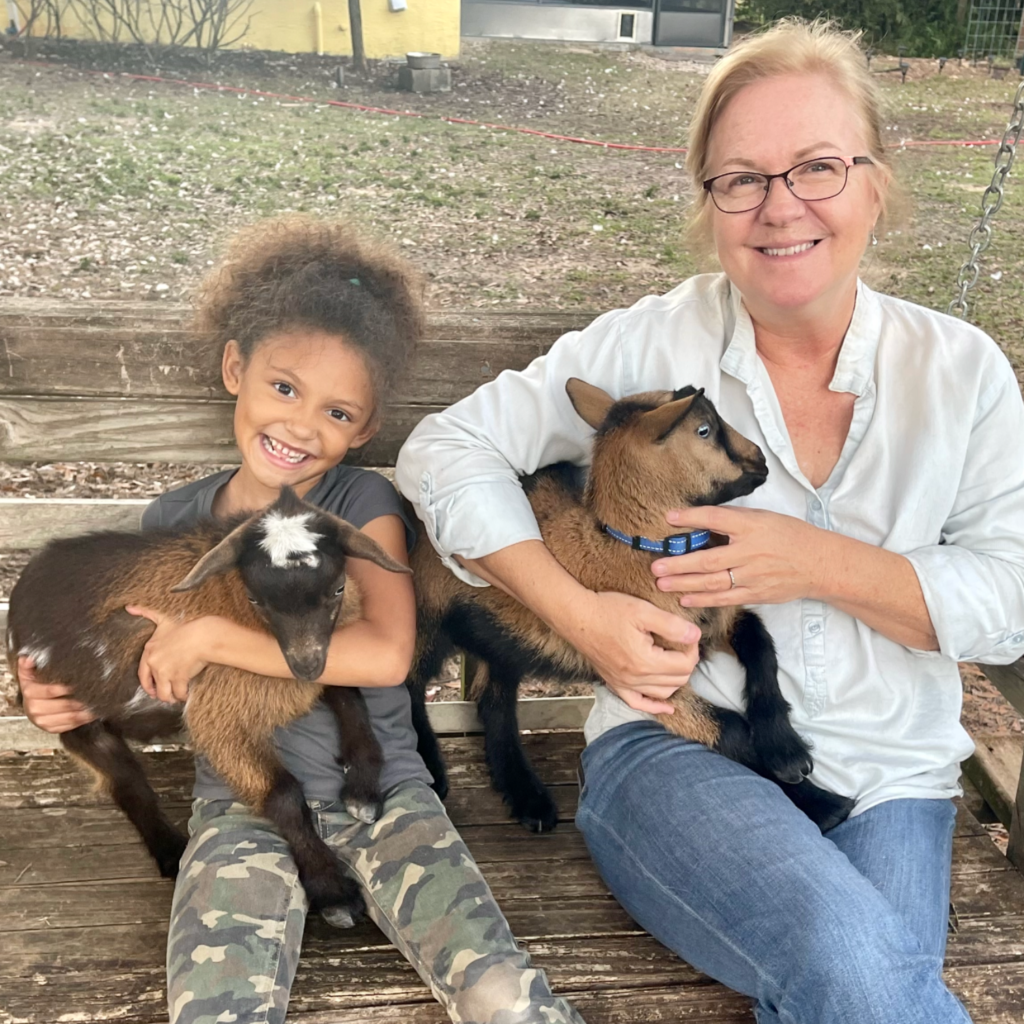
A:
[647,457]
[67,612]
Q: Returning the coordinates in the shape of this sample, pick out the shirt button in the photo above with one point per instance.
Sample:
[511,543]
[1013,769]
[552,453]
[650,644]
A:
[816,504]
[1017,638]
[813,628]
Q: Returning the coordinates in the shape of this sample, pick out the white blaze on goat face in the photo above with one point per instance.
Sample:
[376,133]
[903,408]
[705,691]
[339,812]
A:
[288,538]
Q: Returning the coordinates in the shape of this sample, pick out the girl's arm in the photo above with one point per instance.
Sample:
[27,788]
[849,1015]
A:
[49,706]
[376,650]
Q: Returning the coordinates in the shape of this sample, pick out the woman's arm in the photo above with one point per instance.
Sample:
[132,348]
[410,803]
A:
[376,650]
[776,558]
[461,468]
[614,631]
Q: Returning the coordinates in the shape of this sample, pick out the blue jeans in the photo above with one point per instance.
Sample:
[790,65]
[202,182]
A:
[719,866]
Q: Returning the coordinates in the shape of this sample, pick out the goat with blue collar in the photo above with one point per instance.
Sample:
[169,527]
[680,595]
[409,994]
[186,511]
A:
[651,452]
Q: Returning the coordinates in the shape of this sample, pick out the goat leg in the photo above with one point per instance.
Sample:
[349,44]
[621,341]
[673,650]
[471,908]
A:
[118,770]
[825,808]
[247,761]
[426,738]
[783,755]
[361,755]
[513,778]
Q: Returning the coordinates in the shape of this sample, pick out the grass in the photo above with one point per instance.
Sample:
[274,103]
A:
[113,187]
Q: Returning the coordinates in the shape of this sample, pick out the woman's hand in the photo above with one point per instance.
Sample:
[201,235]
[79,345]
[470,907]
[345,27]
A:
[614,632]
[773,559]
[174,655]
[49,706]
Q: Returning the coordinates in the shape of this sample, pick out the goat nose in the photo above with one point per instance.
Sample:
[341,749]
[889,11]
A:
[307,665]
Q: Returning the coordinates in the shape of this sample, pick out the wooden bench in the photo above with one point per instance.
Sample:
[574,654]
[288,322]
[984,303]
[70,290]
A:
[83,915]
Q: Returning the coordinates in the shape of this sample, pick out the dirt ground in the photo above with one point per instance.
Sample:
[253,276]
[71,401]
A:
[121,188]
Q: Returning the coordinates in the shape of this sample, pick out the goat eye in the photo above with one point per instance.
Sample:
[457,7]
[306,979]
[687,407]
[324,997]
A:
[340,591]
[703,430]
[252,600]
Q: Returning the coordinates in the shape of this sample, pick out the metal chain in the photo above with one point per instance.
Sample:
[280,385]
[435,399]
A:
[981,237]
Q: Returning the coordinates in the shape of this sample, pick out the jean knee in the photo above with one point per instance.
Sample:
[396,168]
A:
[860,975]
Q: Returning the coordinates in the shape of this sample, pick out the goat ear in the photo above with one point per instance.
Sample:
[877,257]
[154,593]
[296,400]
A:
[221,559]
[591,403]
[660,422]
[356,544]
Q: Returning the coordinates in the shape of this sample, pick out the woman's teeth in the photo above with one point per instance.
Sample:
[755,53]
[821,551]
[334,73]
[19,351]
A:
[283,451]
[791,251]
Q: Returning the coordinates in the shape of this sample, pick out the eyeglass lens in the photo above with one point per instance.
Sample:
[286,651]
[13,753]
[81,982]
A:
[746,190]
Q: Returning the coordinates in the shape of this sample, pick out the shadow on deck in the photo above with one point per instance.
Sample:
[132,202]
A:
[83,913]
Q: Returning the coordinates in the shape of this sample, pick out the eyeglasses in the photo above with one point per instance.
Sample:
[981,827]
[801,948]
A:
[811,181]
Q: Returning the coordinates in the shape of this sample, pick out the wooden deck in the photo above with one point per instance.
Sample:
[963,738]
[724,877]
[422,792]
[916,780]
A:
[83,914]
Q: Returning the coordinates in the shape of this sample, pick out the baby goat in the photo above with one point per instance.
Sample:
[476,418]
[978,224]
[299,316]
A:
[281,570]
[651,452]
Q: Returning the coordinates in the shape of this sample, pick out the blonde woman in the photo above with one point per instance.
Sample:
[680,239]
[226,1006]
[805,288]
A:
[887,543]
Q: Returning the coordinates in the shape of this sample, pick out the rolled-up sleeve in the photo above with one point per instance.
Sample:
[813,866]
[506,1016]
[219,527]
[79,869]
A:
[461,467]
[973,581]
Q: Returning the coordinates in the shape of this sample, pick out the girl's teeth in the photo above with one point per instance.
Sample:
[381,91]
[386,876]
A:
[791,251]
[278,449]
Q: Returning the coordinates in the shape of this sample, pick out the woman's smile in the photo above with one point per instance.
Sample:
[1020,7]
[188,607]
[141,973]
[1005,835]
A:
[780,251]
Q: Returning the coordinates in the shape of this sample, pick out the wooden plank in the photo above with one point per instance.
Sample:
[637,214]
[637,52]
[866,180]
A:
[995,771]
[522,880]
[36,429]
[45,781]
[17,733]
[708,1003]
[1008,680]
[126,350]
[80,856]
[348,976]
[1015,847]
[127,947]
[31,522]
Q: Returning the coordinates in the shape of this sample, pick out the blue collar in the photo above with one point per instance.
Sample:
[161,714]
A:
[677,544]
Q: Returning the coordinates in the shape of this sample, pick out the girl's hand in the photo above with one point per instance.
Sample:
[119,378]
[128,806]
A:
[49,705]
[174,655]
[773,559]
[614,632]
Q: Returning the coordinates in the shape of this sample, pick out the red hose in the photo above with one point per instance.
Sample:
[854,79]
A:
[451,120]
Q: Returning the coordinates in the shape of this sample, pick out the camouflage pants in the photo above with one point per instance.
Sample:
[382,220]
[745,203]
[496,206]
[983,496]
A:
[239,911]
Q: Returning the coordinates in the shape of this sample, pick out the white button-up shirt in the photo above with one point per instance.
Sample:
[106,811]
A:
[932,468]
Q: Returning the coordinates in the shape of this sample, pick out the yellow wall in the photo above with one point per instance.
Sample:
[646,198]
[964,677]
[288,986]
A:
[431,25]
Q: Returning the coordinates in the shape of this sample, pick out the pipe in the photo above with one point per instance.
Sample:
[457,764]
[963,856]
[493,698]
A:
[318,22]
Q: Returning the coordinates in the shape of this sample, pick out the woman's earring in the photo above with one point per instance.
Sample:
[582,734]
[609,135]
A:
[874,240]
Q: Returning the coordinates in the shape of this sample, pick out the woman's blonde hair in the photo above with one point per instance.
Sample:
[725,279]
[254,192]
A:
[791,47]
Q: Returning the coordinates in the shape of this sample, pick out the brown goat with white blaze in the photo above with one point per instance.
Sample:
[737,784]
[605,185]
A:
[651,452]
[281,571]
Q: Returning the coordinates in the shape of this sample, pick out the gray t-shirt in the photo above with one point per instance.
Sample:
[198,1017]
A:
[309,746]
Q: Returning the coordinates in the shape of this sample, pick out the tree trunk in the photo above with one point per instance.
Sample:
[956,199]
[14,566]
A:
[355,20]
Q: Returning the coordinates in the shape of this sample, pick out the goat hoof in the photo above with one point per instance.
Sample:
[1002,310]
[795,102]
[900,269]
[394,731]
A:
[538,814]
[168,857]
[785,758]
[366,811]
[440,787]
[341,917]
[340,902]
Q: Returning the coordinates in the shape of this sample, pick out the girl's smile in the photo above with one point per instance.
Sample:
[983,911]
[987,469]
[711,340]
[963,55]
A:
[304,399]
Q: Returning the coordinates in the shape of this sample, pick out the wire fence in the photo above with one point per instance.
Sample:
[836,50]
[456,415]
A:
[994,30]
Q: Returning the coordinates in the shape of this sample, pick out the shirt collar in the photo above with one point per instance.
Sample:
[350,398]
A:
[856,363]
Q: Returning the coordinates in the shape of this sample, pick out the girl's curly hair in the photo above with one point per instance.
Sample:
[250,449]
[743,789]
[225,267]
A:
[296,271]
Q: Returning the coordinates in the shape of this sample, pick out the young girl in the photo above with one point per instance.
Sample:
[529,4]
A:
[316,325]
